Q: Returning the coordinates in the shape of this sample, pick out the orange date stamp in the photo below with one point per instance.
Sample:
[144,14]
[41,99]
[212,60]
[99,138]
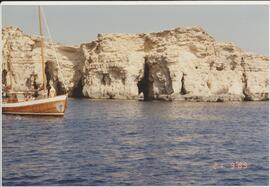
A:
[233,165]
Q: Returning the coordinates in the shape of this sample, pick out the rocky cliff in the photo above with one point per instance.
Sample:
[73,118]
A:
[179,64]
[24,57]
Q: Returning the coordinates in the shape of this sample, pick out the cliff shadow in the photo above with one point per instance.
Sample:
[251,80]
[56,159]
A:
[51,72]
[145,86]
[76,57]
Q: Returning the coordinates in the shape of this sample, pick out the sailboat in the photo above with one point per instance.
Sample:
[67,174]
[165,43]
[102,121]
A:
[45,105]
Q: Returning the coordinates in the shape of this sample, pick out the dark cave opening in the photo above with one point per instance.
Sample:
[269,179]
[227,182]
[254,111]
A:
[60,88]
[145,84]
[49,71]
[183,89]
[77,91]
[106,80]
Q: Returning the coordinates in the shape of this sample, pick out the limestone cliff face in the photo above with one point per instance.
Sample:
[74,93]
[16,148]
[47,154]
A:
[24,57]
[179,64]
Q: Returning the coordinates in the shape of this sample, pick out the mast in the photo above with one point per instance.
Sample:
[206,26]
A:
[42,49]
[8,64]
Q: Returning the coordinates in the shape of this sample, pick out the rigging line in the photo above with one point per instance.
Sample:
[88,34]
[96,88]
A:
[55,53]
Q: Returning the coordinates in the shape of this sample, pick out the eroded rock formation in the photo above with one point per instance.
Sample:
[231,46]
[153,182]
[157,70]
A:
[179,64]
[24,57]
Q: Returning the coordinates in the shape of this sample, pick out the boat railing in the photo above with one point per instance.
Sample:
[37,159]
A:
[20,96]
[21,92]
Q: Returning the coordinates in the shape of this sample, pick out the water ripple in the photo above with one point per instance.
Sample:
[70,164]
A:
[138,143]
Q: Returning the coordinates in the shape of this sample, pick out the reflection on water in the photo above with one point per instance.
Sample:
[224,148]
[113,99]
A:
[138,143]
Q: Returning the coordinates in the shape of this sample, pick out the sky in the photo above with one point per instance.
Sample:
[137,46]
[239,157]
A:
[247,26]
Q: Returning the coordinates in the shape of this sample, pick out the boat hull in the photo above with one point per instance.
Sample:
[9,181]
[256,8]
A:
[55,106]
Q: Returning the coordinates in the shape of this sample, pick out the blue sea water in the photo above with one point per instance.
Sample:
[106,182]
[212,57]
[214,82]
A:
[110,142]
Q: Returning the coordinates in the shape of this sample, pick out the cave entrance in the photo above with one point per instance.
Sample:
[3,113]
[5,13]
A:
[77,92]
[51,73]
[145,85]
[50,69]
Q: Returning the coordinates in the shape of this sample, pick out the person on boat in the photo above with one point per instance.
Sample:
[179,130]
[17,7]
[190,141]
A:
[4,93]
[52,91]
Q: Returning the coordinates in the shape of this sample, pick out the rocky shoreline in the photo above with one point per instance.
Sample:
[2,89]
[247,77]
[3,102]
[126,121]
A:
[180,64]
